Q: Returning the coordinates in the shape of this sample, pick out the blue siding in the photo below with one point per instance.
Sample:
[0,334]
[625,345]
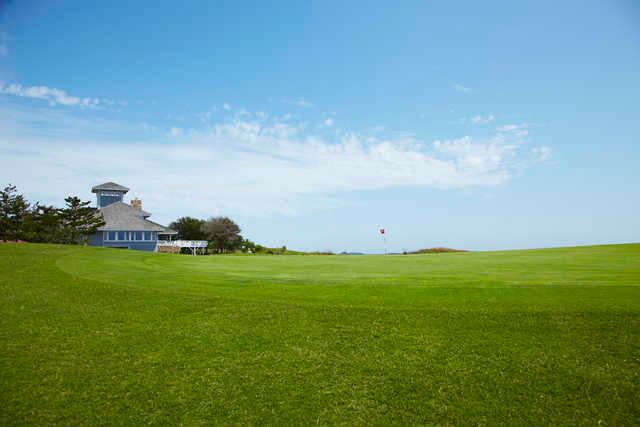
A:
[148,245]
[95,239]
[138,246]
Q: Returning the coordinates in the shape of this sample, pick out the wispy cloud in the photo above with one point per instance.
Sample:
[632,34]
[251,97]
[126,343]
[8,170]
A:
[328,122]
[460,88]
[300,102]
[519,130]
[507,128]
[262,166]
[479,119]
[52,95]
[542,154]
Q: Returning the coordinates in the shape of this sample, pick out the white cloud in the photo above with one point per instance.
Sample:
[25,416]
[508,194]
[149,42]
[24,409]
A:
[507,128]
[479,119]
[458,87]
[52,95]
[517,130]
[303,103]
[226,106]
[300,102]
[328,122]
[148,127]
[249,167]
[542,154]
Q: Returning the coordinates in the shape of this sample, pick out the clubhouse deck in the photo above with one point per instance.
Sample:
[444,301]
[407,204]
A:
[173,246]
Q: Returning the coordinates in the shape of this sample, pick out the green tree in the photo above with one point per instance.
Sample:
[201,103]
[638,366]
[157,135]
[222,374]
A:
[44,225]
[14,209]
[223,234]
[189,228]
[78,220]
[248,246]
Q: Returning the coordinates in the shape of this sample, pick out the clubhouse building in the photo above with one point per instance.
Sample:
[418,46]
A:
[126,225]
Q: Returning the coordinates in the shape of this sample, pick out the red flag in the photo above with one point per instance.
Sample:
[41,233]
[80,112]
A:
[382,231]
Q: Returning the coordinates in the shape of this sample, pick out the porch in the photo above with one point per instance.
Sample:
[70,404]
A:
[196,247]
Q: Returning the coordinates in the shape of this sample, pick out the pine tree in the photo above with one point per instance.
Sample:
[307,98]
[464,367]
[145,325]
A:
[14,209]
[44,225]
[78,220]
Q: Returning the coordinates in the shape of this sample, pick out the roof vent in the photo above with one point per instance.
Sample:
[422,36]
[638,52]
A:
[136,204]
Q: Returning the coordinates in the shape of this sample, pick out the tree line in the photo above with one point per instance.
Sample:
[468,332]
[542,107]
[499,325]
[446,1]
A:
[22,220]
[222,233]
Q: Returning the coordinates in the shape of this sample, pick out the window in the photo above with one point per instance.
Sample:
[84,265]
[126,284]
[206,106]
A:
[137,235]
[111,235]
[147,235]
[122,235]
[107,200]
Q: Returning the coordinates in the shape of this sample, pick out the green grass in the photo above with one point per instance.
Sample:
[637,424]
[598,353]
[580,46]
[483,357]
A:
[100,336]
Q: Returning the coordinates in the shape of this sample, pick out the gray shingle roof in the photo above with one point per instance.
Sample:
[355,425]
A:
[121,216]
[167,230]
[109,186]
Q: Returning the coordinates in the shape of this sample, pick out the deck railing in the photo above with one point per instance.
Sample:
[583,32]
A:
[184,243]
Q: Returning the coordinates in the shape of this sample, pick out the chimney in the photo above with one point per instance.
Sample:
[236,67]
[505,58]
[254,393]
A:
[136,204]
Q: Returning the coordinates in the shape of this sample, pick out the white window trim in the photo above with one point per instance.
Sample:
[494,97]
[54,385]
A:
[129,236]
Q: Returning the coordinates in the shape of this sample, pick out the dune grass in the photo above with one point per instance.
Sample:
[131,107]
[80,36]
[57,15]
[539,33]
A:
[103,336]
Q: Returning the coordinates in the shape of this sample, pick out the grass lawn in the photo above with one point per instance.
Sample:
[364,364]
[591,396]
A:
[104,336]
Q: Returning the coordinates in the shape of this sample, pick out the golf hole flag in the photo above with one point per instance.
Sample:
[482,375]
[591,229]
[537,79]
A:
[384,239]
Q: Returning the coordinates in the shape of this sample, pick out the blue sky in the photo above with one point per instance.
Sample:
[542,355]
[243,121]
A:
[470,125]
